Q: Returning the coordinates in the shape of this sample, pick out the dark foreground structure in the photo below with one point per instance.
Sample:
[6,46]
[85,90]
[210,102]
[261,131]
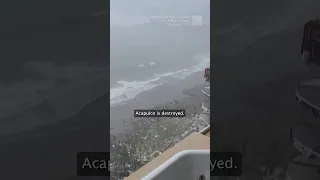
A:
[62,32]
[306,137]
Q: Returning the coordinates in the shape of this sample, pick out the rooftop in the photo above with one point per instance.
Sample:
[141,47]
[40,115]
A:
[192,142]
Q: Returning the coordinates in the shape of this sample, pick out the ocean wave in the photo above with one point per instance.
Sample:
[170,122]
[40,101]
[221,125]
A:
[125,90]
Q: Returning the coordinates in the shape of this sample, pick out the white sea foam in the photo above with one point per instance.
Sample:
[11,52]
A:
[75,83]
[125,90]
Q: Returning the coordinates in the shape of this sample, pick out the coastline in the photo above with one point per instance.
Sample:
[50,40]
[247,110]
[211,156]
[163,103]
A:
[175,89]
[43,120]
[142,137]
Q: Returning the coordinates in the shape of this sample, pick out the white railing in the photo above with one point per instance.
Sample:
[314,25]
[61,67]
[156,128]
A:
[300,98]
[205,130]
[204,108]
[205,93]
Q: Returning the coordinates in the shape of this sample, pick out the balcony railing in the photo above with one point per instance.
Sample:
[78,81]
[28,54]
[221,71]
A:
[206,91]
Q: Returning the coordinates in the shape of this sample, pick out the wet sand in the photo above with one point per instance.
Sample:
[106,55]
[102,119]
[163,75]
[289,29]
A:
[175,89]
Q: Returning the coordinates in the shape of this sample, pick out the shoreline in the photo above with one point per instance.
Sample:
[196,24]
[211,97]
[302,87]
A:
[175,89]
[23,128]
[158,133]
[141,101]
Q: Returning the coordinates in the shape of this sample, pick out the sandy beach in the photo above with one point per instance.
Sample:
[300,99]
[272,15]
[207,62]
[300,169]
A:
[160,95]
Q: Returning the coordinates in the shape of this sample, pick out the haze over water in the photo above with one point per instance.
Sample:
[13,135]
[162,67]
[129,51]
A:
[147,51]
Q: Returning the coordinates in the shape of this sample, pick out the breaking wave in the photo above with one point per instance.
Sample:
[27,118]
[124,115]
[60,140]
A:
[125,90]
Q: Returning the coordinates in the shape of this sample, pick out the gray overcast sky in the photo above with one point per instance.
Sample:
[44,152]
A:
[130,12]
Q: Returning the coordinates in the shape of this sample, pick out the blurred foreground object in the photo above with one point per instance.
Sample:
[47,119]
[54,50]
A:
[207,75]
[310,49]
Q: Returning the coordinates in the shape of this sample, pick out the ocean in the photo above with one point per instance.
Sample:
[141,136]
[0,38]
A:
[134,78]
[145,56]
